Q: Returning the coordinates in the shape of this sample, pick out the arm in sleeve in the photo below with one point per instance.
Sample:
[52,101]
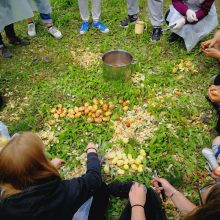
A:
[82,188]
[204,10]
[180,7]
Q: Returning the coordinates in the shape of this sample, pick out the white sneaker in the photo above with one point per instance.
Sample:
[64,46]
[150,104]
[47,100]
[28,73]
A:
[210,157]
[55,32]
[31,30]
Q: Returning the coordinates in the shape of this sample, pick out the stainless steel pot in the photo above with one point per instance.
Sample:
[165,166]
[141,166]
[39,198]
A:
[117,65]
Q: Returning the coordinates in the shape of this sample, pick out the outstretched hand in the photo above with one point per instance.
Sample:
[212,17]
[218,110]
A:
[57,162]
[137,194]
[91,147]
[166,186]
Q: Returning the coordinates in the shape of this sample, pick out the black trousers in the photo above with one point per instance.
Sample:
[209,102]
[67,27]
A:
[99,204]
[217,83]
[217,80]
[10,33]
[153,208]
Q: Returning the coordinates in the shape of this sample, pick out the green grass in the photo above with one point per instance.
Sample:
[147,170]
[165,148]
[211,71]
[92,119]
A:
[32,86]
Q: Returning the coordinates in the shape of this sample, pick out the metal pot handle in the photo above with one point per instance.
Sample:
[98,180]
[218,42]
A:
[134,62]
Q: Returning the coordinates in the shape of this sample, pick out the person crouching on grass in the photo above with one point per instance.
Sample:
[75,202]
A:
[191,20]
[211,48]
[96,12]
[31,187]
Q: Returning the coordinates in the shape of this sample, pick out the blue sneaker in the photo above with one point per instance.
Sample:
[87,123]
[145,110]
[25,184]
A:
[85,27]
[100,26]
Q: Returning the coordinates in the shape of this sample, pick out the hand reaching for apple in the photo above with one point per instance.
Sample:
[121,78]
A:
[92,148]
[57,162]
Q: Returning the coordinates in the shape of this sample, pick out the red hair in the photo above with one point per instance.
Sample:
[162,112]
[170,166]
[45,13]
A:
[22,161]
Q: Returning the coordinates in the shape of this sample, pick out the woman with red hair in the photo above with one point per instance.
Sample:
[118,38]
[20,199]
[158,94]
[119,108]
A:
[31,187]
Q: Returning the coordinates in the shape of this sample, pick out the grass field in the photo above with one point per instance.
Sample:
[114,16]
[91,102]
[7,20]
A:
[69,72]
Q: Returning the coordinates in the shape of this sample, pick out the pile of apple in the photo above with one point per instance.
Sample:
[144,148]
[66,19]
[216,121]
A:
[118,162]
[185,66]
[99,111]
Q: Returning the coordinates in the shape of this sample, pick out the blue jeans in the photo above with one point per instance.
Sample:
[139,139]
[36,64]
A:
[46,18]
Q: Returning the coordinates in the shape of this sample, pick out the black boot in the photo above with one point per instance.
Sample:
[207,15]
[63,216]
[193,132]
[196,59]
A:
[173,37]
[18,41]
[131,19]
[157,33]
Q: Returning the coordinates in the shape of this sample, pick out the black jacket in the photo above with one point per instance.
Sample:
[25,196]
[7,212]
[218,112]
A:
[53,199]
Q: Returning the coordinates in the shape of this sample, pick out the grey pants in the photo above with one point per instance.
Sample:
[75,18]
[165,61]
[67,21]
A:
[84,9]
[155,10]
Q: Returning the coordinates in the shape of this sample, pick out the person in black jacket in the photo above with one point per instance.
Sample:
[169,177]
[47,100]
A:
[31,187]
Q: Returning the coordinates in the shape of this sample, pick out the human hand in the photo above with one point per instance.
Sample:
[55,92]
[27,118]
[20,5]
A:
[191,16]
[137,194]
[208,44]
[166,186]
[212,52]
[57,162]
[214,93]
[211,43]
[216,173]
[91,147]
[179,24]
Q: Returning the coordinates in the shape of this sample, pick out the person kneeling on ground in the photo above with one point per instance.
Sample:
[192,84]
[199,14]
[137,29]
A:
[144,203]
[31,187]
[209,195]
[211,48]
[191,20]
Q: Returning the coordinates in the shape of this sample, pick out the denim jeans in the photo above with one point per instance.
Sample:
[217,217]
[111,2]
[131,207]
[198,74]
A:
[46,18]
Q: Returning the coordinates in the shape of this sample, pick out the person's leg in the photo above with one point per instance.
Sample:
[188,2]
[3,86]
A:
[133,7]
[1,104]
[84,9]
[126,213]
[1,41]
[31,27]
[156,17]
[4,52]
[217,80]
[10,31]
[99,204]
[84,12]
[46,19]
[133,10]
[96,12]
[13,38]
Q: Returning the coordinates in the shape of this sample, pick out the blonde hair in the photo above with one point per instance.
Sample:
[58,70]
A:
[22,162]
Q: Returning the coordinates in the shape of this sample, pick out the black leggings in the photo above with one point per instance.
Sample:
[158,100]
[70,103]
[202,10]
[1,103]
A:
[217,80]
[10,33]
[99,204]
[153,208]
